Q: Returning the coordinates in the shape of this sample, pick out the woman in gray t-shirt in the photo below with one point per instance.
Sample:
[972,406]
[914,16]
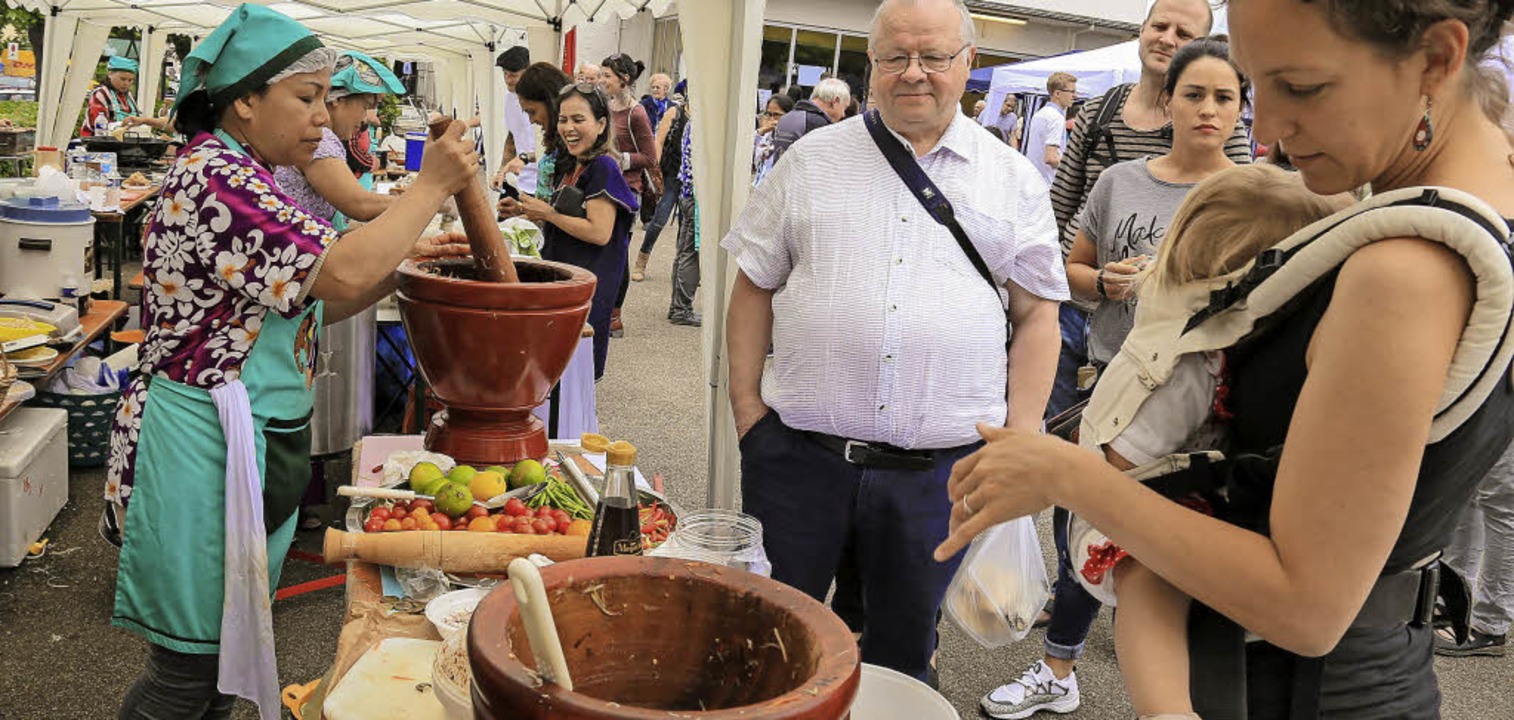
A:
[1130,206]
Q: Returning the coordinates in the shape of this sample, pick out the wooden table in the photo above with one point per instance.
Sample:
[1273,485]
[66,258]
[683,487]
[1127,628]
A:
[102,314]
[110,230]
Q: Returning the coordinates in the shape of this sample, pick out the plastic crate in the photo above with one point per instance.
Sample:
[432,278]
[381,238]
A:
[89,421]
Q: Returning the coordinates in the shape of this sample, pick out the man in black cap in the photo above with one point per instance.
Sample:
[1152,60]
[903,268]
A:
[520,141]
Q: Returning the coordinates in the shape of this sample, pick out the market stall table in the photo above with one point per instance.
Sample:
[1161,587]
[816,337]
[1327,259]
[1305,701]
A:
[102,314]
[110,230]
[367,618]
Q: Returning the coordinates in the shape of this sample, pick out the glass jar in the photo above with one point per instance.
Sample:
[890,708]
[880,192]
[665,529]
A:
[722,537]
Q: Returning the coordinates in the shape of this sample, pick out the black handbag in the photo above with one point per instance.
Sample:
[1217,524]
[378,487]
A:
[570,202]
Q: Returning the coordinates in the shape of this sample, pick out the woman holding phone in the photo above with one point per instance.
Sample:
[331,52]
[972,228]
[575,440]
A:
[588,221]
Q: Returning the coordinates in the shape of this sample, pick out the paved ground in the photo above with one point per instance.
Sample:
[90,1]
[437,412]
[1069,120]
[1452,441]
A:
[60,659]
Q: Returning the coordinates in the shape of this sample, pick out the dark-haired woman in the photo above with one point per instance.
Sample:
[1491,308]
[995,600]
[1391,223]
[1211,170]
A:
[210,448]
[763,150]
[635,145]
[1347,479]
[597,234]
[1132,203]
[538,89]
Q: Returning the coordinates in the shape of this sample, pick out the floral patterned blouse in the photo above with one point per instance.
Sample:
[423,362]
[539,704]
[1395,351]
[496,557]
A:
[224,248]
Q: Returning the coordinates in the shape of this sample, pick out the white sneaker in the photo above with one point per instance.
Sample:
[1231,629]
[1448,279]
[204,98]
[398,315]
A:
[1036,690]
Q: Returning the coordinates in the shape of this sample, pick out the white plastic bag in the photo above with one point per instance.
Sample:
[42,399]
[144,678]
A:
[1001,585]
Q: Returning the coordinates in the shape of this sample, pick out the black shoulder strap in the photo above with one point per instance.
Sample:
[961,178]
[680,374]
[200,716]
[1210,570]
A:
[925,191]
[1109,107]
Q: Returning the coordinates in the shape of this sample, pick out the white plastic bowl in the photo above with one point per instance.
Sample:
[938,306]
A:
[440,610]
[454,698]
[886,693]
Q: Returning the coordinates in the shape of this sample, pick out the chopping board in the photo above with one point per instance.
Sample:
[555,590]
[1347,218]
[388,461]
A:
[389,682]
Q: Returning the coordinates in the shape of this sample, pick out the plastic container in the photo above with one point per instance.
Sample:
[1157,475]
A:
[89,420]
[886,693]
[722,537]
[47,156]
[33,477]
[452,662]
[442,610]
[415,146]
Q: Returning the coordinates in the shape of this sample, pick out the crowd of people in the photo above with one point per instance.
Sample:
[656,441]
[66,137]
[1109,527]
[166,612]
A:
[1120,225]
[1341,447]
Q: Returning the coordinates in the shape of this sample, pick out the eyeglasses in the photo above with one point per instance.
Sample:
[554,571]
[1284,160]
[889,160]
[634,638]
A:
[929,64]
[773,115]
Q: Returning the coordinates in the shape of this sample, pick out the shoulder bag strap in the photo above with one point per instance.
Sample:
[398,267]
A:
[1110,106]
[925,191]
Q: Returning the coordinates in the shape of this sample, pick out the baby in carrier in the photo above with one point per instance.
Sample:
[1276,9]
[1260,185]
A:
[1223,224]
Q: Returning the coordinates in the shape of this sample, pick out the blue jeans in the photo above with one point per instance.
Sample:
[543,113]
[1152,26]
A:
[1064,390]
[891,520]
[1073,610]
[664,212]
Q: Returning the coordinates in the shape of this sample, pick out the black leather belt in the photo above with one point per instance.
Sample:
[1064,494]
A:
[875,455]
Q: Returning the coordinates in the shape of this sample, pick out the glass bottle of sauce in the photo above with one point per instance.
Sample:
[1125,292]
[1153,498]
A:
[617,520]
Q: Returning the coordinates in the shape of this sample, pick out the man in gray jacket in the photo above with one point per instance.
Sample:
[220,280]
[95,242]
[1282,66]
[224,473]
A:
[827,104]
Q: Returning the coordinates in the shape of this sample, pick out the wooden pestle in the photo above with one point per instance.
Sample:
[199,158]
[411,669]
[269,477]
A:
[488,244]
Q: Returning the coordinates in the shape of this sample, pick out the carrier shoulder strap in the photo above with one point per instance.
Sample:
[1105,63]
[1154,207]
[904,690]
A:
[1109,108]
[1218,314]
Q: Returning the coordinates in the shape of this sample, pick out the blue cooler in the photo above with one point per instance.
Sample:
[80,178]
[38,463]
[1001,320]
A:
[415,146]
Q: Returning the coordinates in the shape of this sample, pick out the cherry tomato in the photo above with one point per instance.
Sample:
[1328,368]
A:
[399,512]
[547,522]
[459,524]
[544,511]
[391,525]
[373,525]
[477,511]
[561,517]
[420,504]
[502,520]
[408,523]
[523,525]
[380,513]
[442,521]
[539,526]
[516,508]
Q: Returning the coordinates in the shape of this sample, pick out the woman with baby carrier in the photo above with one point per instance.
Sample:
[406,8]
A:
[1366,386]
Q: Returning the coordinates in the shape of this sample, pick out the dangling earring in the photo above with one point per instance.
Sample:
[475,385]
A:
[1426,130]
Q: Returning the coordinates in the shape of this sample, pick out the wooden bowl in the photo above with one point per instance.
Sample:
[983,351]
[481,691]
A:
[645,637]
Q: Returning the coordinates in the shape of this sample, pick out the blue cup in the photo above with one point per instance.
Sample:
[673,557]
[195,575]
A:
[415,146]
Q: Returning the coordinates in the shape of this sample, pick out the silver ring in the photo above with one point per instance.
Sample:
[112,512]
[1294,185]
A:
[965,506]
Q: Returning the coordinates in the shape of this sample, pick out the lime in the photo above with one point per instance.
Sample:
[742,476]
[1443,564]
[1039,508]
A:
[462,474]
[503,471]
[527,472]
[453,499]
[423,473]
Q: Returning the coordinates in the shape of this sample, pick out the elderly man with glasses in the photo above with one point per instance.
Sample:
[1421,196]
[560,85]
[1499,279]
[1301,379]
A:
[889,346]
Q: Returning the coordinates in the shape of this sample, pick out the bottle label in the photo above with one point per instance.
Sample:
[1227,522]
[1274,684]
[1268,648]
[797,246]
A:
[627,546]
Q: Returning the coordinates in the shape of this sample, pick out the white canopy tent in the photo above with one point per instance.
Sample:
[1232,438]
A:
[1096,71]
[460,36]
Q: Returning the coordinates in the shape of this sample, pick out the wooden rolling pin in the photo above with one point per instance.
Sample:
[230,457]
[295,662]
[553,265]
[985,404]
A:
[488,244]
[450,551]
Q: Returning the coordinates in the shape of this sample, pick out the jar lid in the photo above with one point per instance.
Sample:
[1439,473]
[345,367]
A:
[621,453]
[44,210]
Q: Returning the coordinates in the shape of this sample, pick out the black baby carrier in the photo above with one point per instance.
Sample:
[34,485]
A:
[1241,314]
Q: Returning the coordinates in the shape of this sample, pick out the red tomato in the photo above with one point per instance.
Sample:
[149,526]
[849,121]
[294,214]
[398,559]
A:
[502,521]
[391,525]
[373,525]
[459,525]
[539,526]
[523,525]
[420,504]
[380,513]
[408,523]
[399,512]
[546,522]
[477,511]
[544,511]
[516,508]
[442,521]
[562,518]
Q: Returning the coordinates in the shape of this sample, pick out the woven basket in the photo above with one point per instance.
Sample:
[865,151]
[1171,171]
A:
[89,421]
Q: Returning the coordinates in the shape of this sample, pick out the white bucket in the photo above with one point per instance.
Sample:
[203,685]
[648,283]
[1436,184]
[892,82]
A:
[886,693]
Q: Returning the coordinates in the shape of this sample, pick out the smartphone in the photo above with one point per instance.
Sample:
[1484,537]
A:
[509,191]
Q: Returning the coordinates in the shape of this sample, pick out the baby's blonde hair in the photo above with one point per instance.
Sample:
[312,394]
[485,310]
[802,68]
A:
[1230,218]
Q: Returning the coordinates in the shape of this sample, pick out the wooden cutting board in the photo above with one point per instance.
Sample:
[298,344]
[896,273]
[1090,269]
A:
[389,682]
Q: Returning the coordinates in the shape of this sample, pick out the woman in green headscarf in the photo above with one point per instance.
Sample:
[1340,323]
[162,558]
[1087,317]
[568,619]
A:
[324,185]
[210,445]
[112,102]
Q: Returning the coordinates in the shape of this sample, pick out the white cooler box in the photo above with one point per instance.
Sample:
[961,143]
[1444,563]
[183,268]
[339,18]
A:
[33,477]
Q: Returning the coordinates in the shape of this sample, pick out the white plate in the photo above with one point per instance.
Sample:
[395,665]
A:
[35,357]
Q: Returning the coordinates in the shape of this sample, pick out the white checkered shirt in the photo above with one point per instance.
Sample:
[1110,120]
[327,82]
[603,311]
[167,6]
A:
[882,329]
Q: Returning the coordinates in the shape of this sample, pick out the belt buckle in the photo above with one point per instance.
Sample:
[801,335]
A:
[846,452]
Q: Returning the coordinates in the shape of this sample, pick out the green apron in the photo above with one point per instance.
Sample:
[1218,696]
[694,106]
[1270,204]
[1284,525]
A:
[170,581]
